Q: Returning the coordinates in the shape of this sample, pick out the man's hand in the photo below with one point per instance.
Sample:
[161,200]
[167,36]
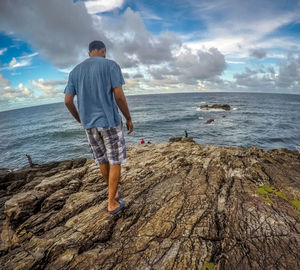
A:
[129,126]
[122,104]
[71,107]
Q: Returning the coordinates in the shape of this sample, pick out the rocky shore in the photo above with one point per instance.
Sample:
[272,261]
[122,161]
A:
[188,206]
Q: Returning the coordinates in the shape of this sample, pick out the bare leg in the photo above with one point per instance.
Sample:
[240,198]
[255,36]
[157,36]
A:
[114,176]
[104,168]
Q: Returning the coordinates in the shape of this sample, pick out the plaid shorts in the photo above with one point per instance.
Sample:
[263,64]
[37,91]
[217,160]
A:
[107,144]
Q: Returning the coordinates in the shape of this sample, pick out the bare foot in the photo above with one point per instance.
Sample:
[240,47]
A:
[112,207]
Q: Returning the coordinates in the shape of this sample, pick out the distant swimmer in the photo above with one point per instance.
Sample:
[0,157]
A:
[29,160]
[142,141]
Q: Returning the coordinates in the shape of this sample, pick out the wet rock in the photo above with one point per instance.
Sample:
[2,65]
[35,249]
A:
[188,206]
[209,121]
[225,107]
[4,171]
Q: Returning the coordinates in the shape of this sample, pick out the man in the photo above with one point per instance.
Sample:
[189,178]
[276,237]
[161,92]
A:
[97,82]
[29,160]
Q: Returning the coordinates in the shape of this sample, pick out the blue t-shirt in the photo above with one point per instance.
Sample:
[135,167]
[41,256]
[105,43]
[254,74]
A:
[93,81]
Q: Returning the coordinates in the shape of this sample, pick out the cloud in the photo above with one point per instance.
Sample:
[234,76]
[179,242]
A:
[2,51]
[28,55]
[135,45]
[21,61]
[48,88]
[202,65]
[142,86]
[289,73]
[98,6]
[146,13]
[163,56]
[233,26]
[163,61]
[255,81]
[130,44]
[3,81]
[138,75]
[7,92]
[14,64]
[65,70]
[43,90]
[287,79]
[258,53]
[235,62]
[190,67]
[244,12]
[62,39]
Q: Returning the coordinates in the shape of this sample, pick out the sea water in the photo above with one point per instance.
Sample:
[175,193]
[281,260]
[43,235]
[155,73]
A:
[49,132]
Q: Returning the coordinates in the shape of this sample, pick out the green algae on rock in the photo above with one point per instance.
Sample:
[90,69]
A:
[267,192]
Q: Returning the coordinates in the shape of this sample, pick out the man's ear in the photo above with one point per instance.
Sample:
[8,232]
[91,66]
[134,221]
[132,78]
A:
[103,51]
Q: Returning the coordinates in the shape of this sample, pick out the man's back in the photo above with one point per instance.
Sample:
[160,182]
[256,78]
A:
[93,81]
[98,84]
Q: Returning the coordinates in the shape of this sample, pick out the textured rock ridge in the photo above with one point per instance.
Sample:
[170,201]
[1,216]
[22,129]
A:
[188,206]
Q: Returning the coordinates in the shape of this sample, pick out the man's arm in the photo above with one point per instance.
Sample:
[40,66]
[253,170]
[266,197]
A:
[122,104]
[71,107]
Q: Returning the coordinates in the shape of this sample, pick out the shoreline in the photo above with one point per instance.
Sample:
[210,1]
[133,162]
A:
[205,204]
[5,169]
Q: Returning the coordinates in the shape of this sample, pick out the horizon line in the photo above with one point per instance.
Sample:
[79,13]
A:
[148,94]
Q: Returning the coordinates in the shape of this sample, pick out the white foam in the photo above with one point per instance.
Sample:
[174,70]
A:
[200,117]
[210,110]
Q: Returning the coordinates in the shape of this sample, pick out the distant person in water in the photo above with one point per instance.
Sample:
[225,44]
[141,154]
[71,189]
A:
[97,82]
[185,134]
[142,141]
[29,160]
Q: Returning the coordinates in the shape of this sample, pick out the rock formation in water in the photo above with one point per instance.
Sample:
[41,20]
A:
[188,206]
[209,121]
[225,107]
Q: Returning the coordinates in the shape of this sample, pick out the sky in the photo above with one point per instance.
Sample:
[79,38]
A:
[162,46]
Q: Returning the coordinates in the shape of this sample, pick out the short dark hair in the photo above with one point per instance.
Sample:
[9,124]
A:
[96,45]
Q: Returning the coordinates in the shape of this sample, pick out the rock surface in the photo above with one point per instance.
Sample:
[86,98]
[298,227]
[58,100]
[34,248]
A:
[209,121]
[225,107]
[188,206]
[181,139]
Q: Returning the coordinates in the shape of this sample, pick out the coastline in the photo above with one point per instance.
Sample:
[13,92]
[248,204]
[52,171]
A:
[187,205]
[36,166]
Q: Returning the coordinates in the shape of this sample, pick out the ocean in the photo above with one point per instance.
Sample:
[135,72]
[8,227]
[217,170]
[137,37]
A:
[49,132]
